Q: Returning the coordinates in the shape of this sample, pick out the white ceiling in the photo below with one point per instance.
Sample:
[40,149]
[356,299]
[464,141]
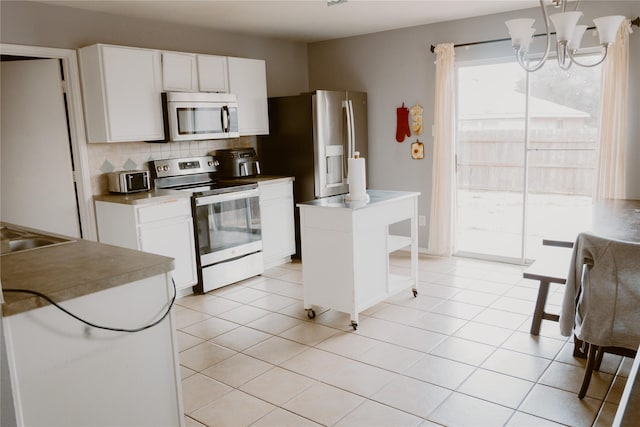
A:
[300,20]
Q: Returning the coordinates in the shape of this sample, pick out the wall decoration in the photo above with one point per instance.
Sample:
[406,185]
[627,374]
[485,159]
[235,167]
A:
[402,128]
[417,150]
[416,119]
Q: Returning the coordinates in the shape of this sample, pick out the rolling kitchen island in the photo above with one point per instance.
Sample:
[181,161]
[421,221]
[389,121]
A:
[346,247]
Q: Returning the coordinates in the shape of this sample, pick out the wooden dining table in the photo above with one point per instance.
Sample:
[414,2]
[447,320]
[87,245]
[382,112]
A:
[617,219]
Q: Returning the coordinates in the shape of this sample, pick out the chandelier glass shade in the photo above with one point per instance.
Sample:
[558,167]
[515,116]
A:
[568,36]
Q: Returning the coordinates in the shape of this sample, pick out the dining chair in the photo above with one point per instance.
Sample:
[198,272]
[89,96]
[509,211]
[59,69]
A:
[602,296]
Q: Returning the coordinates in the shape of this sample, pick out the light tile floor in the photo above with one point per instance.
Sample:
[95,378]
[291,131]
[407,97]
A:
[460,354]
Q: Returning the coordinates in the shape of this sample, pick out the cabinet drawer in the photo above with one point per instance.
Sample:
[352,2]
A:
[326,219]
[275,191]
[166,210]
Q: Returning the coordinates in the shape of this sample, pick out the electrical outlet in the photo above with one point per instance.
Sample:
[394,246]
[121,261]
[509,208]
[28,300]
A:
[422,220]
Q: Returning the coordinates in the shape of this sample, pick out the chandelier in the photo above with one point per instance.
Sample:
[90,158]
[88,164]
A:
[568,35]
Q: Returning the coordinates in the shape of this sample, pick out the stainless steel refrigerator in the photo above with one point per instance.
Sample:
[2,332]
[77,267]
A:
[311,136]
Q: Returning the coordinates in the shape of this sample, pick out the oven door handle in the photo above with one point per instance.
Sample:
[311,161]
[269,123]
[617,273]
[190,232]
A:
[225,197]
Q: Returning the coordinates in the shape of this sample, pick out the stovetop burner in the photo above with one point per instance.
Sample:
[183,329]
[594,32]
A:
[198,175]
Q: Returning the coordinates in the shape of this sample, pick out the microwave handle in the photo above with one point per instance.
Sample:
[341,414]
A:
[224,113]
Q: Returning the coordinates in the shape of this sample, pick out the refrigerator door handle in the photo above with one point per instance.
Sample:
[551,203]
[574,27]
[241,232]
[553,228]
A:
[348,107]
[353,130]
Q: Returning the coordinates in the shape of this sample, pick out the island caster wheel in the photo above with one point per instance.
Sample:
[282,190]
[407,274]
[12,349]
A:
[354,325]
[311,314]
[415,293]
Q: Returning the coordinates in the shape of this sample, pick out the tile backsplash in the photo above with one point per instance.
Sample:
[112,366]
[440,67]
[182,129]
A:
[104,158]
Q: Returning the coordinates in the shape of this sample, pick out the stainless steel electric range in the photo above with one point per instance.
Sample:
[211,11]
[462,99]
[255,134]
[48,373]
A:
[226,219]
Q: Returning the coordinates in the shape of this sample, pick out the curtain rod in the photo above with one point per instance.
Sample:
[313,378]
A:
[635,22]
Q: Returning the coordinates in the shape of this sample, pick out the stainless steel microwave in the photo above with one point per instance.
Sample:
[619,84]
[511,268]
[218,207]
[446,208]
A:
[190,116]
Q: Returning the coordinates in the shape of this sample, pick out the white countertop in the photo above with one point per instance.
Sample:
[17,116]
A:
[143,197]
[375,197]
[71,270]
[161,195]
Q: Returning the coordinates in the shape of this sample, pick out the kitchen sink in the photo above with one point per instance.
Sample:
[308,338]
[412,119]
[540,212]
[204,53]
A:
[14,239]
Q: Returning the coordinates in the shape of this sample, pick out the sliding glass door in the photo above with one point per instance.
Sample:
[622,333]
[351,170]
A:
[526,151]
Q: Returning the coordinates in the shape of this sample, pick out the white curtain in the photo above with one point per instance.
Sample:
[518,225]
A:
[441,223]
[610,172]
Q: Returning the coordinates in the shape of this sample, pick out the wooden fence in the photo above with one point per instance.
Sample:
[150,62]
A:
[563,161]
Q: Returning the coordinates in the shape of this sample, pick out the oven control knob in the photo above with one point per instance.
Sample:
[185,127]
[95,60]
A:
[159,168]
[165,168]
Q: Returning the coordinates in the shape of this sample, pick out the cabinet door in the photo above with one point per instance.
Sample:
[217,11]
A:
[179,72]
[248,81]
[174,239]
[121,88]
[278,232]
[212,73]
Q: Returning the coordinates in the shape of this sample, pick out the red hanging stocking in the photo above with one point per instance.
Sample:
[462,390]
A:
[402,128]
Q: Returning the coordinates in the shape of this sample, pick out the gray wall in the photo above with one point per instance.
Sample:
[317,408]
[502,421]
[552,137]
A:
[38,24]
[393,67]
[397,66]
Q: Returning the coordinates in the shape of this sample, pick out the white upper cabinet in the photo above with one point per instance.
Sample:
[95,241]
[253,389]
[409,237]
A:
[179,72]
[248,81]
[212,73]
[188,72]
[121,89]
[163,228]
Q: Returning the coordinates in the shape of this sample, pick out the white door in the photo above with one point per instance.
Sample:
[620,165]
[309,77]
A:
[37,188]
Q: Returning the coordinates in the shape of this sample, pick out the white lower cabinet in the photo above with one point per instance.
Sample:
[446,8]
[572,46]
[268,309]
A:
[164,228]
[168,238]
[65,373]
[277,211]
